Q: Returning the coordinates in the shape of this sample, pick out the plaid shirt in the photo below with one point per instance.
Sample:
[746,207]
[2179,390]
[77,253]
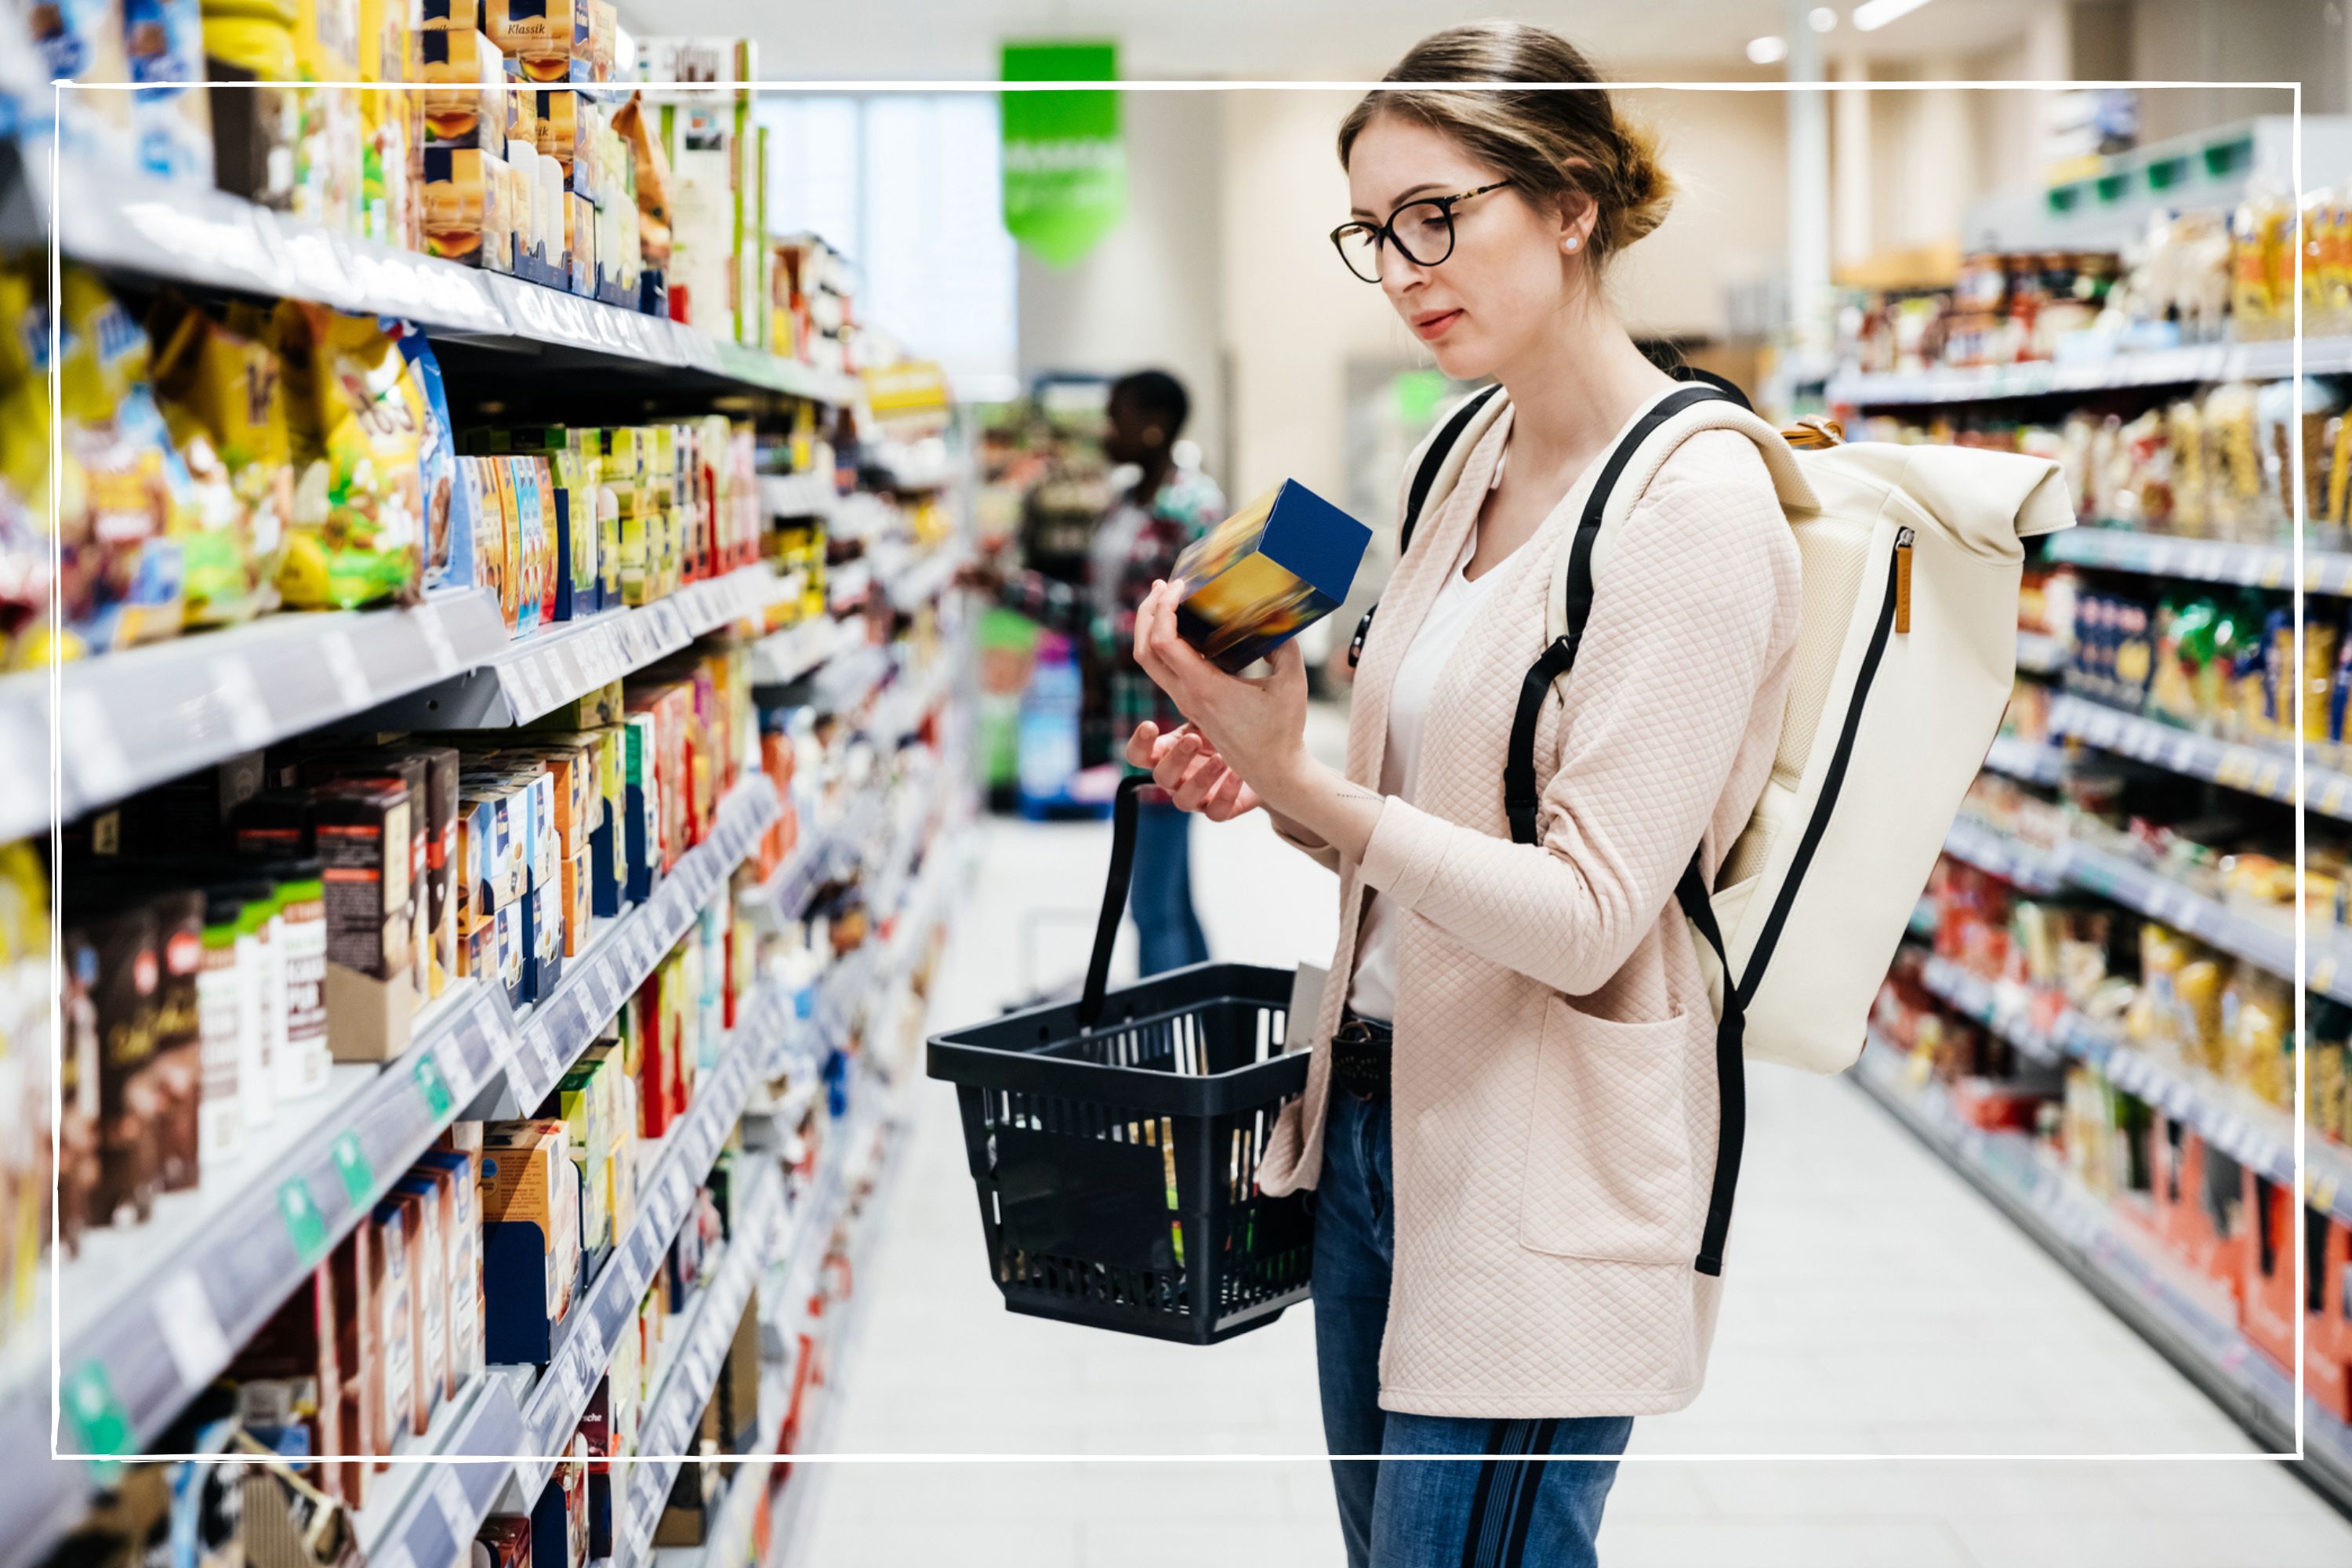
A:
[1187,506]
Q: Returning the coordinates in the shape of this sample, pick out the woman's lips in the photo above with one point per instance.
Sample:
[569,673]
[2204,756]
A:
[1437,324]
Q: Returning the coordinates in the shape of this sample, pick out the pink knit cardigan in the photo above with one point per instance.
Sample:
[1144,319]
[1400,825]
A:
[1555,1096]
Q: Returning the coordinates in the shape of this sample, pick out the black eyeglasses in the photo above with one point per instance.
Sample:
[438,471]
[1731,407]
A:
[1423,232]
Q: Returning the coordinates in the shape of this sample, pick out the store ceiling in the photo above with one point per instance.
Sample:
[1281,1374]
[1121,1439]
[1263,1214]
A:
[905,39]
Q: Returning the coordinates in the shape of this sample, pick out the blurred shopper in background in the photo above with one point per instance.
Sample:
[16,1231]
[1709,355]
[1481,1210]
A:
[1136,545]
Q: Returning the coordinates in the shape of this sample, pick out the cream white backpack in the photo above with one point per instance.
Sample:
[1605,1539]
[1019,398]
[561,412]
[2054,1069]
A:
[1906,648]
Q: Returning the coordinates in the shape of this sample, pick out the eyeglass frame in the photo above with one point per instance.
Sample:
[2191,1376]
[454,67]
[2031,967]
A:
[1386,229]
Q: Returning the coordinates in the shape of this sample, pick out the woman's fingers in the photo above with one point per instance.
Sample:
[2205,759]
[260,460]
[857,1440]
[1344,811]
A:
[1223,803]
[1142,746]
[1175,762]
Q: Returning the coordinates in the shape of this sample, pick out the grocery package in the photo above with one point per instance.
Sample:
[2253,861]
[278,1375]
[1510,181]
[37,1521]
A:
[1265,573]
[358,419]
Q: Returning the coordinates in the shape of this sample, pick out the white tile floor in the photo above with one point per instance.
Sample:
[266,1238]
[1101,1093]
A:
[1877,1307]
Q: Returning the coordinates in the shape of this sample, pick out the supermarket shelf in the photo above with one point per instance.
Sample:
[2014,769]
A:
[815,1434]
[798,495]
[794,653]
[2028,868]
[924,576]
[525,1415]
[2200,559]
[159,1322]
[675,1405]
[2268,772]
[207,238]
[537,674]
[607,1307]
[2144,1290]
[2250,1131]
[849,681]
[133,720]
[2006,1010]
[160,1310]
[428,1513]
[555,1031]
[2039,653]
[2029,762]
[2271,946]
[2262,361]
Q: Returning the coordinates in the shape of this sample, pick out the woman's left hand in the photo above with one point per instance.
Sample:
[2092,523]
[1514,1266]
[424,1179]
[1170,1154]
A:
[1259,727]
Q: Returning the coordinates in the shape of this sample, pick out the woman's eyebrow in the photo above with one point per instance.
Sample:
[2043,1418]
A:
[1402,198]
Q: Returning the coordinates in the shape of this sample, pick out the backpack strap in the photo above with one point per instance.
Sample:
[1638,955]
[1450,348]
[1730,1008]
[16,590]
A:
[1521,801]
[1432,460]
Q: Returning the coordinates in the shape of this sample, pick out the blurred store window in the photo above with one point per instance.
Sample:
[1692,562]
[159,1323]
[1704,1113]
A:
[908,181]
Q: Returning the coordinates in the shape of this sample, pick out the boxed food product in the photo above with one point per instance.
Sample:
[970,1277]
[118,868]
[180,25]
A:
[465,90]
[530,1236]
[1267,573]
[462,1240]
[364,846]
[540,34]
[416,1209]
[359,1355]
[642,808]
[438,1372]
[170,114]
[392,1256]
[448,540]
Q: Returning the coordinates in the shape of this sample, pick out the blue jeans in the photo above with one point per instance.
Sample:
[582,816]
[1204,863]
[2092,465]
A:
[1498,1511]
[1167,932]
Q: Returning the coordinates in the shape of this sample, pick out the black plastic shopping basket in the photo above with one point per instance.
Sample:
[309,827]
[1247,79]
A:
[1115,1142]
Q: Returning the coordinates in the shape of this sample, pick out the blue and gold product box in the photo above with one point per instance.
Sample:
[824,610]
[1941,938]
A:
[1267,573]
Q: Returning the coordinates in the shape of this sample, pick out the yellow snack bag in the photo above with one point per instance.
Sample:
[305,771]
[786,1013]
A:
[358,421]
[224,402]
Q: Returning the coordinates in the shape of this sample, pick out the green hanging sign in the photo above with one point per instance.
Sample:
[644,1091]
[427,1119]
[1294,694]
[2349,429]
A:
[1065,165]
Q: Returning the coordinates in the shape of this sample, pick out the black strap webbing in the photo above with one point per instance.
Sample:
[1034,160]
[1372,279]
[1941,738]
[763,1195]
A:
[1730,1072]
[1521,799]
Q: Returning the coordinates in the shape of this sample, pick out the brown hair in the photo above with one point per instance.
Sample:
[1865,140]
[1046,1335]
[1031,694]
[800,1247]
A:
[1550,143]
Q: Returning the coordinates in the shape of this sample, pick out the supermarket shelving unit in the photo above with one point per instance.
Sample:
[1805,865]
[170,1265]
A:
[150,1317]
[2108,207]
[2141,1286]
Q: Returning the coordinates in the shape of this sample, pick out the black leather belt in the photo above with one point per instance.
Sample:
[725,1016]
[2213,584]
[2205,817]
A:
[1359,1056]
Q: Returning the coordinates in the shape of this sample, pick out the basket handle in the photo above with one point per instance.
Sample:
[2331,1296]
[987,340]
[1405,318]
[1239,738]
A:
[1122,872]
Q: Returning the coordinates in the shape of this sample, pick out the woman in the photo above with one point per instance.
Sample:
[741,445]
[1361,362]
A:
[1135,545]
[1510,1113]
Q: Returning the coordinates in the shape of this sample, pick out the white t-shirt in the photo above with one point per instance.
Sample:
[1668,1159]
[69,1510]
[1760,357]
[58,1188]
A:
[1371,992]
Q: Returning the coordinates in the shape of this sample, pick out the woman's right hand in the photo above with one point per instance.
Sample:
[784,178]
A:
[1187,767]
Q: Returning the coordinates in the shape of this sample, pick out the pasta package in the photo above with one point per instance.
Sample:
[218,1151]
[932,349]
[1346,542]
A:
[224,402]
[358,421]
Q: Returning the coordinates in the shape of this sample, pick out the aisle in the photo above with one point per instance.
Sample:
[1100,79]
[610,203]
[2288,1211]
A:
[1877,1306]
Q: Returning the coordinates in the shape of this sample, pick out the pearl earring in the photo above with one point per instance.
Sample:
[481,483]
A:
[1570,243]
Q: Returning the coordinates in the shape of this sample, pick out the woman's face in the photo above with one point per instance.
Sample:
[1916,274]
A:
[1508,275]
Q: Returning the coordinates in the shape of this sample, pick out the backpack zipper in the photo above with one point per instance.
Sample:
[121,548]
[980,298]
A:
[1897,589]
[1903,537]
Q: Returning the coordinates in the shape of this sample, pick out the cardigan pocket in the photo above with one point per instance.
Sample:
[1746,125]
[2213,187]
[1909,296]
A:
[1609,1170]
